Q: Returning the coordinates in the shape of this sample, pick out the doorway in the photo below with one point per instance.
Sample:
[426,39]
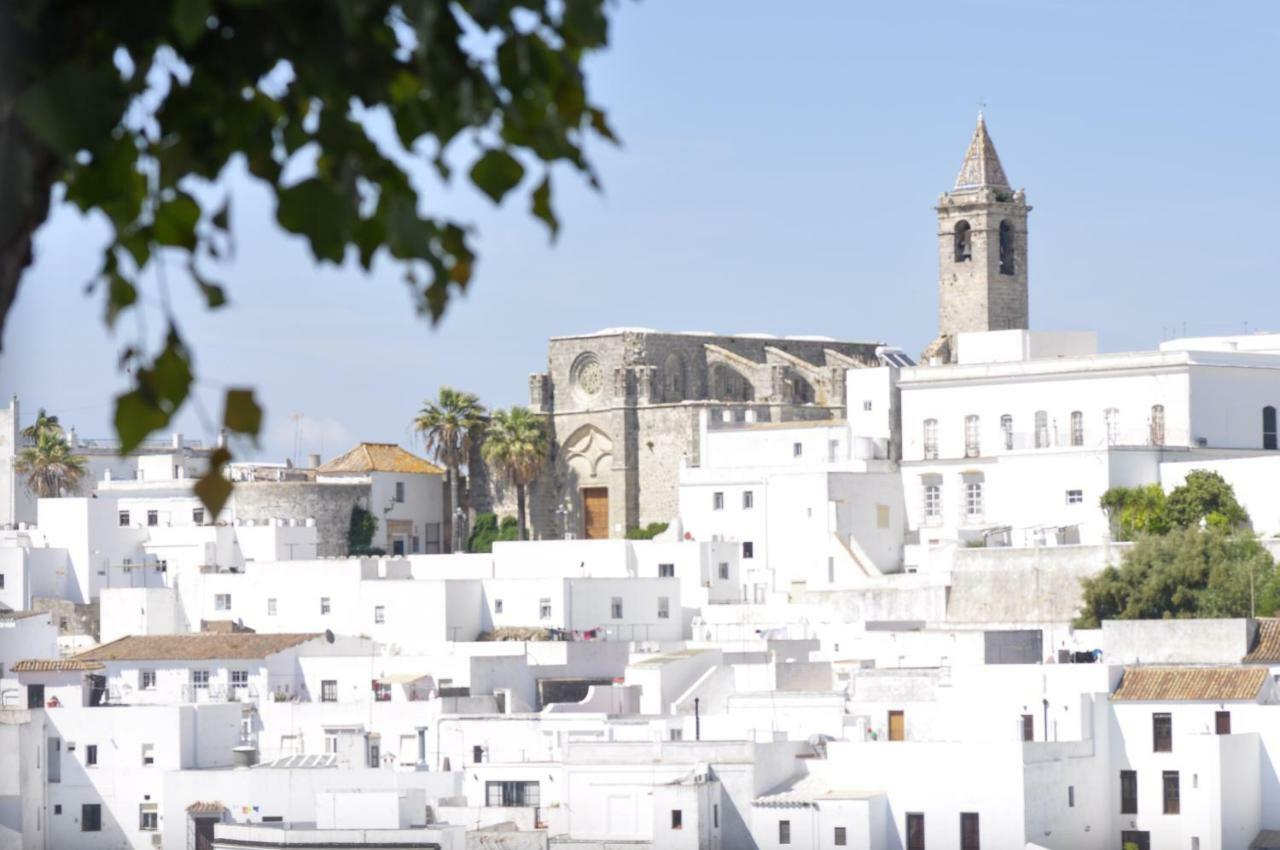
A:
[1135,840]
[595,513]
[897,726]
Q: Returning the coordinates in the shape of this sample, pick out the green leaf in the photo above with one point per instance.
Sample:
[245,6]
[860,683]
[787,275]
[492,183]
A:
[176,222]
[137,415]
[317,210]
[601,125]
[496,173]
[242,414]
[214,295]
[189,20]
[170,375]
[121,295]
[75,107]
[541,206]
[213,488]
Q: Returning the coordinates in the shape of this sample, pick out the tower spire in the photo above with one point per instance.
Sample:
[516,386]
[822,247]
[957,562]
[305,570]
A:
[981,165]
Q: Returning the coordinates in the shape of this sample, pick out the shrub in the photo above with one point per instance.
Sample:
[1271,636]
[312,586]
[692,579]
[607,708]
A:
[649,532]
[488,530]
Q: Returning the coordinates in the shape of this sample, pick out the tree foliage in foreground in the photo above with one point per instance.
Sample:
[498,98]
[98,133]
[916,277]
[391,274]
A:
[136,109]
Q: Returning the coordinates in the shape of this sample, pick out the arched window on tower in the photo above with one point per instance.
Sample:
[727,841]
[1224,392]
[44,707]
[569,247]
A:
[964,242]
[1006,248]
[1269,428]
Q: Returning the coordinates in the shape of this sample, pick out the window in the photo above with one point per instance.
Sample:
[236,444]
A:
[932,503]
[882,516]
[748,500]
[797,449]
[931,439]
[1157,424]
[200,679]
[1172,793]
[1077,428]
[841,838]
[381,691]
[124,519]
[1071,796]
[222,602]
[197,516]
[324,605]
[666,570]
[90,755]
[715,815]
[915,831]
[147,680]
[973,499]
[1028,727]
[615,608]
[399,491]
[497,606]
[1006,431]
[57,808]
[239,678]
[91,817]
[866,405]
[664,608]
[717,501]
[677,819]
[1161,733]
[675,734]
[969,831]
[833,451]
[1128,792]
[153,517]
[148,755]
[963,242]
[1222,723]
[723,571]
[379,613]
[1042,429]
[784,832]
[329,690]
[1269,440]
[330,743]
[544,608]
[1111,416]
[477,754]
[433,538]
[748,550]
[971,436]
[1007,263]
[1075,497]
[512,794]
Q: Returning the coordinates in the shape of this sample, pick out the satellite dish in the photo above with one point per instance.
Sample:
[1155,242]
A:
[328,635]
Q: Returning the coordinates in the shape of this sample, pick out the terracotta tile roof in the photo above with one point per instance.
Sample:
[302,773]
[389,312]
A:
[1172,684]
[1266,649]
[54,665]
[379,457]
[194,647]
[206,807]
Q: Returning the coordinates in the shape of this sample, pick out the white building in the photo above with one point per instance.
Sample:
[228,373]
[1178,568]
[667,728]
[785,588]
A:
[406,495]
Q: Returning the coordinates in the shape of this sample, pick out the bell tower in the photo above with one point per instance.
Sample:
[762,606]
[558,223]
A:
[982,248]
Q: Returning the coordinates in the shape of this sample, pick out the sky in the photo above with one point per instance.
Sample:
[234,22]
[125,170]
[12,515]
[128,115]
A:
[777,174]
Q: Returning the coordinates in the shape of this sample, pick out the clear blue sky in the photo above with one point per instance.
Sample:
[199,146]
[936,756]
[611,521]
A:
[777,175]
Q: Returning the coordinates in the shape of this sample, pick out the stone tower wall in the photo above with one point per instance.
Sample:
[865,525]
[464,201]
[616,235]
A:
[975,295]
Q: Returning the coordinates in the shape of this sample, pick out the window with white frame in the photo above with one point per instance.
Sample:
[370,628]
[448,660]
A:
[666,570]
[833,451]
[724,570]
[147,680]
[399,491]
[931,439]
[664,607]
[149,817]
[866,405]
[222,602]
[544,608]
[123,519]
[271,606]
[200,679]
[1006,431]
[197,516]
[717,501]
[1077,428]
[797,449]
[324,605]
[748,500]
[148,755]
[1157,424]
[379,613]
[1075,497]
[748,549]
[329,690]
[239,678]
[1111,416]
[971,436]
[153,518]
[973,498]
[497,606]
[615,608]
[331,743]
[932,503]
[1042,429]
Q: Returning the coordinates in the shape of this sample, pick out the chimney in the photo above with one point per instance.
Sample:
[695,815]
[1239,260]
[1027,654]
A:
[177,440]
[313,461]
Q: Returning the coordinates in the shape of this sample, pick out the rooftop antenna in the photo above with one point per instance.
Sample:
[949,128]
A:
[297,435]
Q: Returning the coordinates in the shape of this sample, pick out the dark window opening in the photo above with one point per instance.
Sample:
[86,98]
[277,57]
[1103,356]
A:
[91,817]
[677,819]
[841,837]
[1006,248]
[964,242]
[1172,793]
[1269,441]
[1028,727]
[969,831]
[1161,733]
[915,831]
[784,832]
[1222,723]
[512,794]
[1128,792]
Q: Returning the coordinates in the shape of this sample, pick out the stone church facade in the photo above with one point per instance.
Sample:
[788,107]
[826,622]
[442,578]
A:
[623,405]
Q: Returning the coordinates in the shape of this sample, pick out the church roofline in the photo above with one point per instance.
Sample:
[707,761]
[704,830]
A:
[981,167]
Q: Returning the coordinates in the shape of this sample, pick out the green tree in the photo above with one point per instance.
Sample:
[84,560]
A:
[44,422]
[488,530]
[1135,511]
[1189,572]
[138,109]
[1205,496]
[515,446]
[360,532]
[51,467]
[448,424]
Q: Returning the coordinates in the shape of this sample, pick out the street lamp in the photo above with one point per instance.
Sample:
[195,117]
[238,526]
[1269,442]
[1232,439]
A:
[563,511]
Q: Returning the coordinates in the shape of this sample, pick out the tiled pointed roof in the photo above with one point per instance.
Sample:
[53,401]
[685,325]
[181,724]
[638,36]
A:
[1170,684]
[981,163]
[380,457]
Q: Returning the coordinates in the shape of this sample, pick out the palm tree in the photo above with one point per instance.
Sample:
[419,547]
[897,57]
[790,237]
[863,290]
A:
[515,445]
[50,466]
[44,422]
[447,425]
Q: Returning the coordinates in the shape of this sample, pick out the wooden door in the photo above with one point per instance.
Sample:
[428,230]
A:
[595,513]
[204,833]
[897,726]
[1222,722]
[915,830]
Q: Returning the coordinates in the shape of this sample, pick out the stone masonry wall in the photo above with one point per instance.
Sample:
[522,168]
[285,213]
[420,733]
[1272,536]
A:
[328,503]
